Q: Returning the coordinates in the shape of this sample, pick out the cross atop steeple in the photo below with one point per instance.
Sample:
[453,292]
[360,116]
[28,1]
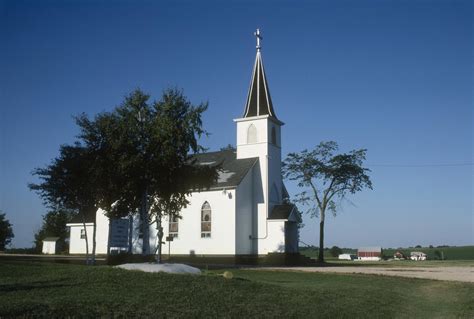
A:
[259,37]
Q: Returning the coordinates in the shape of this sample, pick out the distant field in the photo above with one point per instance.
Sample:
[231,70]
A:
[44,289]
[449,253]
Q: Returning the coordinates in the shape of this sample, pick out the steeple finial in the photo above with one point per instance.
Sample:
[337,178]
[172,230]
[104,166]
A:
[259,37]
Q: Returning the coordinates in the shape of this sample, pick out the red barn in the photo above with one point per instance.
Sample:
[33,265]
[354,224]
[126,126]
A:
[369,253]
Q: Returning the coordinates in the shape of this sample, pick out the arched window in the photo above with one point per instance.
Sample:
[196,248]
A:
[274,136]
[252,134]
[205,220]
[173,226]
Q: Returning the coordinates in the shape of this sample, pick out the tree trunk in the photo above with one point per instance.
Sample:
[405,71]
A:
[94,230]
[85,237]
[321,242]
[159,228]
[144,225]
[130,234]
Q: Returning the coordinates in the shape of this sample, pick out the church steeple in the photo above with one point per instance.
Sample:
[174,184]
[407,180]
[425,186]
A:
[259,101]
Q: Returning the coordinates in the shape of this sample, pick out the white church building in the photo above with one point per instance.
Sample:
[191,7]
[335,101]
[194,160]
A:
[246,212]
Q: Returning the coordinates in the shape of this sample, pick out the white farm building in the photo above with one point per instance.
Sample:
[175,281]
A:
[417,255]
[244,213]
[50,246]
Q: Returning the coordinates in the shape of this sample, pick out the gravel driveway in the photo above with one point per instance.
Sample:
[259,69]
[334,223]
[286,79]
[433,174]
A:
[464,274]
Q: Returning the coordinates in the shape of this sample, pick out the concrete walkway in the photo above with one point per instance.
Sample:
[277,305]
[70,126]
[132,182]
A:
[450,273]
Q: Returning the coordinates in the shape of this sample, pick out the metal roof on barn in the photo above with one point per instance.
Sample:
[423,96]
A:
[370,249]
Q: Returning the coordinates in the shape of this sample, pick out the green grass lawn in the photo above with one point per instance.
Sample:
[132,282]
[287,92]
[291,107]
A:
[52,290]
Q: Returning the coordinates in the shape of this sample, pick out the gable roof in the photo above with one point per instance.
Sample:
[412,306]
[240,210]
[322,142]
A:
[78,218]
[231,173]
[282,211]
[370,249]
[232,170]
[51,239]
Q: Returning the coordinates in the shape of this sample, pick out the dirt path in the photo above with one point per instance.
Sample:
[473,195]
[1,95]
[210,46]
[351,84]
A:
[464,274]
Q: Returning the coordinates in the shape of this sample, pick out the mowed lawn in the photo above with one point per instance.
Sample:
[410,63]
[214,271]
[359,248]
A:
[52,290]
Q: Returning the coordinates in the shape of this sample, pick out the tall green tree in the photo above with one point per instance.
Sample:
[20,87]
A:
[135,159]
[54,225]
[146,149]
[6,231]
[327,178]
[70,183]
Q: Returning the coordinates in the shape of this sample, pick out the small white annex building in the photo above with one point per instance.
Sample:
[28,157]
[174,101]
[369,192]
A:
[49,245]
[245,213]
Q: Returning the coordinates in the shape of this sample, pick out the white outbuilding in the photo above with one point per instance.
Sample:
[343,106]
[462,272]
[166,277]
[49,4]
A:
[246,212]
[50,245]
[347,257]
[417,255]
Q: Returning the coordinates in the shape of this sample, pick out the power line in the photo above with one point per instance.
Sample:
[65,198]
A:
[422,165]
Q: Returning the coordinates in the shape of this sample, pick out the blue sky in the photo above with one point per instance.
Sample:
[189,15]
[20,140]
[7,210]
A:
[394,77]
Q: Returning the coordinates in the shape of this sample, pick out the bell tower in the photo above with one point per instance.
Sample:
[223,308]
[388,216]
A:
[259,134]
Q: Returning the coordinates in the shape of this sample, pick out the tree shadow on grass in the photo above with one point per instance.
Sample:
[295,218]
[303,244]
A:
[45,284]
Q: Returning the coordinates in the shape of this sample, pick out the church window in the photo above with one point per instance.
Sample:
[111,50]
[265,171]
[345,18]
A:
[274,138]
[83,233]
[205,220]
[252,134]
[173,226]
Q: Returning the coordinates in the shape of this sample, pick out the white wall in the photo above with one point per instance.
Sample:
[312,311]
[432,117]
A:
[223,232]
[269,238]
[369,258]
[49,247]
[275,241]
[77,245]
[245,210]
[102,237]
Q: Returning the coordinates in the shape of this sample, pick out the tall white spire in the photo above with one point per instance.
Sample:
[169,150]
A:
[259,101]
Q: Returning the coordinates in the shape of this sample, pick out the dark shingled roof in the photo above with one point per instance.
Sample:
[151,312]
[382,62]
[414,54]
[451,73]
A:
[51,239]
[232,170]
[282,211]
[90,218]
[259,101]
